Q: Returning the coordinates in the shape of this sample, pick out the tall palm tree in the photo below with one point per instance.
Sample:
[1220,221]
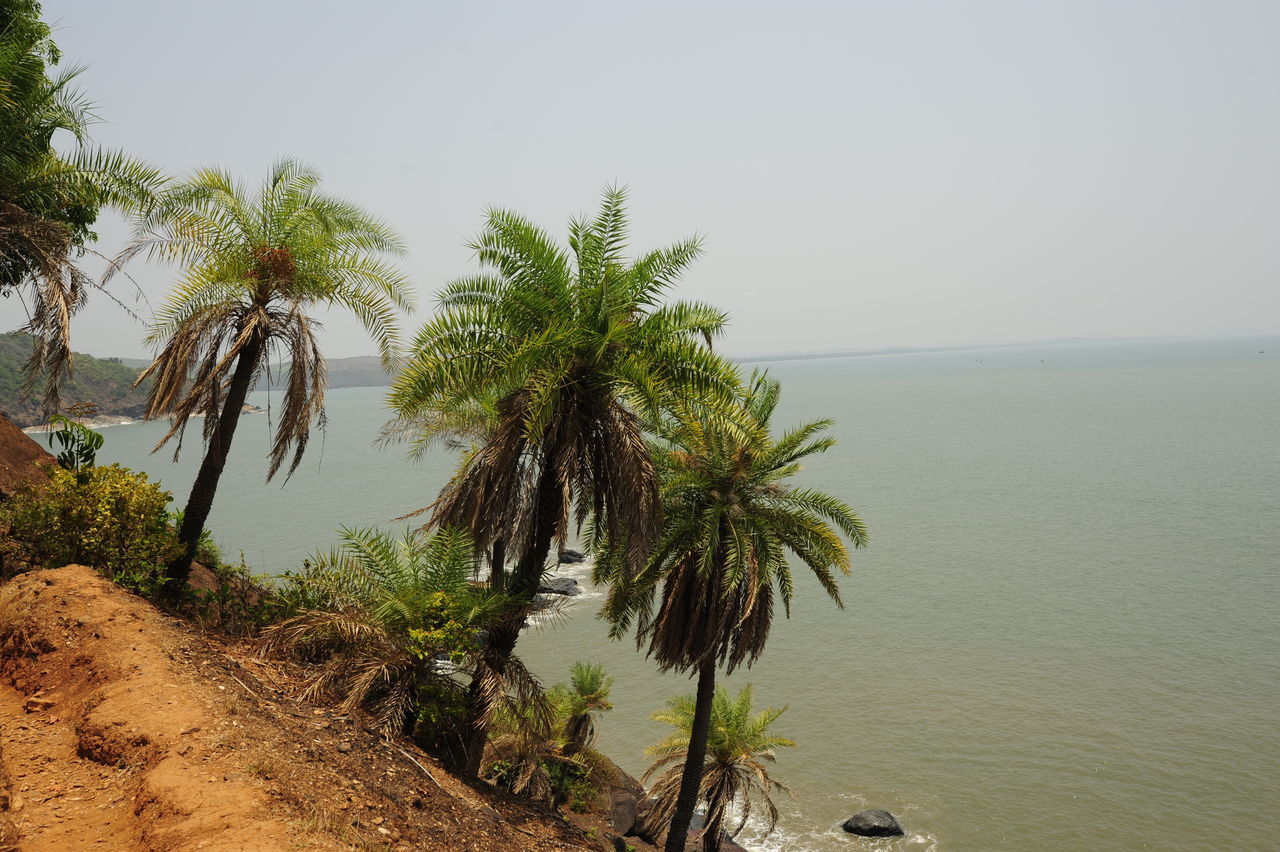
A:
[729,521]
[254,267]
[569,349]
[733,769]
[49,200]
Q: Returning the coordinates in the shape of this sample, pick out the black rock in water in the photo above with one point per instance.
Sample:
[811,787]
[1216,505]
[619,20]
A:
[875,823]
[560,586]
[571,556]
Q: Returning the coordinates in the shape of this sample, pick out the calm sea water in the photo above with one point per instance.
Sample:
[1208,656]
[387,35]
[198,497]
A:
[1063,636]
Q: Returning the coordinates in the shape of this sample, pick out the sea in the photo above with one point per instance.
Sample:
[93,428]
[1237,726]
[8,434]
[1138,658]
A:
[1064,635]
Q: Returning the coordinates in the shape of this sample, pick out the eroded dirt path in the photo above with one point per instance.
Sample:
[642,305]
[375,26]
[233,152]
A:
[59,800]
[104,741]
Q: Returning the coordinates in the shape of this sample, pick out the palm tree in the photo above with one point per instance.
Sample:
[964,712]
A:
[568,349]
[588,696]
[253,269]
[733,769]
[49,200]
[729,520]
[393,612]
[542,764]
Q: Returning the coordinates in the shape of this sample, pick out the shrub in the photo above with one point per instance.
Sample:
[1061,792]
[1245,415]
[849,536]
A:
[441,725]
[392,619]
[79,444]
[550,760]
[109,518]
[542,774]
[232,599]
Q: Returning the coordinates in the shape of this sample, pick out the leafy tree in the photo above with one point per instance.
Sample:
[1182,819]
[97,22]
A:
[729,521]
[733,769]
[568,349]
[49,200]
[254,267]
[395,616]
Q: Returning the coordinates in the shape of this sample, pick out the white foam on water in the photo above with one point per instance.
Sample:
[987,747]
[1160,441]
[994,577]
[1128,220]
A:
[753,838]
[580,571]
[831,838]
[45,428]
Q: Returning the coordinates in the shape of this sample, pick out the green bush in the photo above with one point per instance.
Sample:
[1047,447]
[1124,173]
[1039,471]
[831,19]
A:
[109,518]
[441,724]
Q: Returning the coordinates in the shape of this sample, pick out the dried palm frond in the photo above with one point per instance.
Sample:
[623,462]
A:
[42,248]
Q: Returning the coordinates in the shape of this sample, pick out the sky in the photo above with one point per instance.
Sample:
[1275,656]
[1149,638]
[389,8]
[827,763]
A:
[866,175]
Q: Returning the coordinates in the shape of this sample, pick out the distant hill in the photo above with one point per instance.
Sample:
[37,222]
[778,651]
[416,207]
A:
[107,383]
[362,371]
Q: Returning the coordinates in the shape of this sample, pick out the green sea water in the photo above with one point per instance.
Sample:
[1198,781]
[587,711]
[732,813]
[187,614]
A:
[1064,634]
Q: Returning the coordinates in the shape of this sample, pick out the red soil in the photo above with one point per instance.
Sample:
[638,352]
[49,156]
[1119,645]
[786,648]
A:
[123,728]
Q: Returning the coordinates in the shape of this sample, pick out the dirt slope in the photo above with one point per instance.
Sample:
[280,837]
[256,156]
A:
[123,729]
[20,458]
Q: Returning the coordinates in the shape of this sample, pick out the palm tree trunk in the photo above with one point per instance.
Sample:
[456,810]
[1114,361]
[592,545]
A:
[522,584]
[713,831]
[691,778]
[527,576]
[501,643]
[200,502]
[498,565]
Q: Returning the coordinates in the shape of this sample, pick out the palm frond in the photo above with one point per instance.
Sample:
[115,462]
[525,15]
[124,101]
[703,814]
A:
[369,602]
[733,772]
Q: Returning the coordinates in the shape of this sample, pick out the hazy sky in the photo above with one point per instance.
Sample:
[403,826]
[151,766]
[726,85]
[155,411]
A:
[866,174]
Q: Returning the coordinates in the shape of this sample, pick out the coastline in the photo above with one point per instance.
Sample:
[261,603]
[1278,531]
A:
[104,421]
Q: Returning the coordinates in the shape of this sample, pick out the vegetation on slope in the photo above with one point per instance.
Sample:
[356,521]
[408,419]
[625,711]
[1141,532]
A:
[127,729]
[592,402]
[105,383]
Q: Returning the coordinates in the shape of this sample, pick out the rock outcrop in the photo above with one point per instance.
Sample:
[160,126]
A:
[873,823]
[620,799]
[560,586]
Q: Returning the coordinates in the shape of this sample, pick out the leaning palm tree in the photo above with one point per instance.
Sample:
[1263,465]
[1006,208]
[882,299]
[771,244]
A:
[49,199]
[254,267]
[396,617]
[568,349]
[733,770]
[729,521]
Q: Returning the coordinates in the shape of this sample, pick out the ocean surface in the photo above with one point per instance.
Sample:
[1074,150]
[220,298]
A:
[1064,635]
